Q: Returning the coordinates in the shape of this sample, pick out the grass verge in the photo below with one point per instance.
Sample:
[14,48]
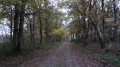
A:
[50,45]
[107,57]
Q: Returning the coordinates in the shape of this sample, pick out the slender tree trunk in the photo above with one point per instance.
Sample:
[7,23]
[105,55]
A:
[46,29]
[20,35]
[33,35]
[79,24]
[89,23]
[84,23]
[85,31]
[103,20]
[40,30]
[115,17]
[15,32]
[46,23]
[11,24]
[100,39]
[31,39]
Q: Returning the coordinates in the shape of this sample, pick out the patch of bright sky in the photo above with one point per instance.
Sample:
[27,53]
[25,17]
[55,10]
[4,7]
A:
[63,10]
[55,4]
[4,29]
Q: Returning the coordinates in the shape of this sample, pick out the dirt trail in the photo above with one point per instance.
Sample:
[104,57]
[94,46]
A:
[67,56]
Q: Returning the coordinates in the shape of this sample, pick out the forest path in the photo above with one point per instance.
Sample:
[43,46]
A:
[67,55]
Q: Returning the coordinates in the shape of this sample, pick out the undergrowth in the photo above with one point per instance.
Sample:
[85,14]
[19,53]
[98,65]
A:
[49,45]
[6,47]
[107,57]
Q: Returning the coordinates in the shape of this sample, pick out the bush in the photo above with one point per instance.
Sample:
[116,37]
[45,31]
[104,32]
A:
[1,44]
[109,48]
[49,45]
[6,48]
[110,58]
[73,40]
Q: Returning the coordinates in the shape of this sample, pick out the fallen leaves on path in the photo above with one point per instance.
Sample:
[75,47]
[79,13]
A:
[65,55]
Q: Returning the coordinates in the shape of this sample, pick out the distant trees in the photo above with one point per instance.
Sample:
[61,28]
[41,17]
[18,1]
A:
[38,21]
[32,21]
[91,20]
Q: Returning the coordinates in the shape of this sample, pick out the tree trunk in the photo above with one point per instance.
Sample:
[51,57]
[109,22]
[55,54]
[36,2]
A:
[85,31]
[20,34]
[33,34]
[15,32]
[79,24]
[46,23]
[84,23]
[40,30]
[96,29]
[31,39]
[11,24]
[103,20]
[115,17]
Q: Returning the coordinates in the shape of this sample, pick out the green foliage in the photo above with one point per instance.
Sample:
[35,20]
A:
[73,40]
[34,5]
[60,31]
[1,15]
[6,48]
[1,43]
[119,57]
[49,45]
[106,57]
[109,47]
[110,58]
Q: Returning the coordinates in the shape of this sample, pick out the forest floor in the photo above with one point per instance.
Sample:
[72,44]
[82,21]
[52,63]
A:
[65,55]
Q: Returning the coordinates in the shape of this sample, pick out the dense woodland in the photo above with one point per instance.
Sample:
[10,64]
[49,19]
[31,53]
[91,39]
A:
[95,21]
[85,22]
[32,22]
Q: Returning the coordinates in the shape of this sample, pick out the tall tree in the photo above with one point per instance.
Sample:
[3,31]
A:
[20,34]
[15,32]
[115,20]
[103,22]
